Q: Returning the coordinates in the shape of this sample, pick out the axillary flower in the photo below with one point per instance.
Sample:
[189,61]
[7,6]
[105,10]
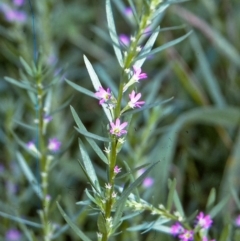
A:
[204,221]
[103,95]
[137,75]
[134,100]
[118,128]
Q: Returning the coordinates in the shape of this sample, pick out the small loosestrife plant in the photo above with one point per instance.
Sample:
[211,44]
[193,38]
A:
[110,199]
[42,147]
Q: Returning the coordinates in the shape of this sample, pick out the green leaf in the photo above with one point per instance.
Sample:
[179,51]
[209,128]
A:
[120,203]
[219,207]
[88,166]
[211,116]
[165,46]
[26,67]
[25,125]
[65,227]
[19,84]
[93,136]
[96,84]
[216,38]
[161,9]
[91,197]
[79,233]
[90,140]
[113,33]
[172,187]
[225,233]
[20,220]
[211,198]
[81,89]
[209,78]
[132,5]
[88,177]
[132,179]
[178,203]
[147,48]
[29,175]
[235,197]
[231,177]
[101,224]
[24,146]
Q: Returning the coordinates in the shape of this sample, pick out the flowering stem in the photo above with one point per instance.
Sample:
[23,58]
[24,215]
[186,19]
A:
[119,100]
[109,201]
[44,162]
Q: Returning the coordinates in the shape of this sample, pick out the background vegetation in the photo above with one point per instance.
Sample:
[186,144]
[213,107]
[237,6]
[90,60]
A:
[195,136]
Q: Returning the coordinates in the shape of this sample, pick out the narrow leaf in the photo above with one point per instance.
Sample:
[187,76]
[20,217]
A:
[72,225]
[219,207]
[87,175]
[90,140]
[211,198]
[225,233]
[91,135]
[178,203]
[29,175]
[120,204]
[172,187]
[20,220]
[165,46]
[91,197]
[96,84]
[147,48]
[113,33]
[101,224]
[19,84]
[88,165]
[26,67]
[81,89]
[25,125]
[209,78]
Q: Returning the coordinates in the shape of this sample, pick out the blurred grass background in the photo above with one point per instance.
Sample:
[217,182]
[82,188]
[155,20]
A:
[195,136]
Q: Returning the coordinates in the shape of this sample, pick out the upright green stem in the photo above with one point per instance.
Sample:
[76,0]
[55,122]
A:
[128,62]
[43,160]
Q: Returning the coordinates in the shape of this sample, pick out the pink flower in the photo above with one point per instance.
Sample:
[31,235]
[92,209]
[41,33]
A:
[148,182]
[204,221]
[117,169]
[18,2]
[13,235]
[118,128]
[103,95]
[54,144]
[138,75]
[47,118]
[134,100]
[31,145]
[124,39]
[177,229]
[237,221]
[128,11]
[15,16]
[187,235]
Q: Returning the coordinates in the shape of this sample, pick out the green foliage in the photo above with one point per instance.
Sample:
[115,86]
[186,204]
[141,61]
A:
[190,122]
